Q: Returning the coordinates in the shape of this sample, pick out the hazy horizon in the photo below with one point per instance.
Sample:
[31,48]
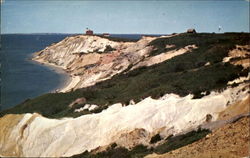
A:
[110,33]
[123,17]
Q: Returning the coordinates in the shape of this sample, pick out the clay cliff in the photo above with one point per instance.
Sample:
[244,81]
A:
[92,58]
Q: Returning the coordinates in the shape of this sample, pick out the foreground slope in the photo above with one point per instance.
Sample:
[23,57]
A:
[229,141]
[169,115]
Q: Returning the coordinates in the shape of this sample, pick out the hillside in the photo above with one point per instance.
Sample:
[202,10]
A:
[134,98]
[199,70]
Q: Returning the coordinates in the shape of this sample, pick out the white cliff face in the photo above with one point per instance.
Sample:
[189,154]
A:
[37,136]
[93,58]
[70,46]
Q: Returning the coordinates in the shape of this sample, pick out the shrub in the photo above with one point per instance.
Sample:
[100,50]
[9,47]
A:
[155,139]
[176,142]
[108,49]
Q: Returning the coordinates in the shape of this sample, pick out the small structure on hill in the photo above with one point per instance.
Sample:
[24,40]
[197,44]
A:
[89,32]
[191,31]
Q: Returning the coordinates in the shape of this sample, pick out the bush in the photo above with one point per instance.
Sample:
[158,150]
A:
[108,49]
[138,151]
[155,139]
[176,142]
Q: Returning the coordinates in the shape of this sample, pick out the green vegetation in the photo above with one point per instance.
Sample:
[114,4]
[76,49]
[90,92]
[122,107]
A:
[176,142]
[181,75]
[204,41]
[155,139]
[118,39]
[139,151]
[108,49]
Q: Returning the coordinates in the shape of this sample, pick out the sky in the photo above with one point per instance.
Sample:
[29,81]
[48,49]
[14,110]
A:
[123,17]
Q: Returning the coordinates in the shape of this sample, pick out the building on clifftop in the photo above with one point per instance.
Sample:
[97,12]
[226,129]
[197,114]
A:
[89,32]
[191,31]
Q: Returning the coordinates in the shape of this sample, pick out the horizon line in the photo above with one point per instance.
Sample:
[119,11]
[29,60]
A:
[93,34]
[117,33]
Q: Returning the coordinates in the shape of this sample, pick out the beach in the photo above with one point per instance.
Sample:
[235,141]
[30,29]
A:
[73,81]
[69,84]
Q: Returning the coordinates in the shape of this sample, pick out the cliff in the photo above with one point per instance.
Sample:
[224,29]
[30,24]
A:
[42,137]
[134,98]
[92,59]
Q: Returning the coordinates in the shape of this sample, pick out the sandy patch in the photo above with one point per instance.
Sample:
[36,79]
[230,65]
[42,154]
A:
[164,56]
[233,110]
[74,81]
[241,53]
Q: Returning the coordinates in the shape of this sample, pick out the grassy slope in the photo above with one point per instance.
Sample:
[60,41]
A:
[182,75]
[118,39]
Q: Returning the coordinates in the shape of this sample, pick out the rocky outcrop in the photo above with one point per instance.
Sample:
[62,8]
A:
[93,58]
[38,136]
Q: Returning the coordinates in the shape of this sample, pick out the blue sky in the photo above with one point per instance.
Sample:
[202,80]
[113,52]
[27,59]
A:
[148,17]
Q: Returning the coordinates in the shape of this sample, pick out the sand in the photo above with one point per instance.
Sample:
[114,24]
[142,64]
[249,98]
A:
[164,56]
[74,80]
[71,81]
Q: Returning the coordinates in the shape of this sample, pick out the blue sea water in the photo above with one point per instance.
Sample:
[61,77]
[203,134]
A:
[22,78]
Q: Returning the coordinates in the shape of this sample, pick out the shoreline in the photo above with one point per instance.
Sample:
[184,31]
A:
[74,80]
[68,85]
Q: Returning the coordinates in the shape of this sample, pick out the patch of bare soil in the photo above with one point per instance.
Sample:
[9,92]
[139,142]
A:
[235,109]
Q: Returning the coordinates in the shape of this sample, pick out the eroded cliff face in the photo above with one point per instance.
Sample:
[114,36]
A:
[8,123]
[93,58]
[38,136]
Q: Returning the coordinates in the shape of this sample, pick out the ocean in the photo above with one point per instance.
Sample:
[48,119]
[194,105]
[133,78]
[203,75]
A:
[23,79]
